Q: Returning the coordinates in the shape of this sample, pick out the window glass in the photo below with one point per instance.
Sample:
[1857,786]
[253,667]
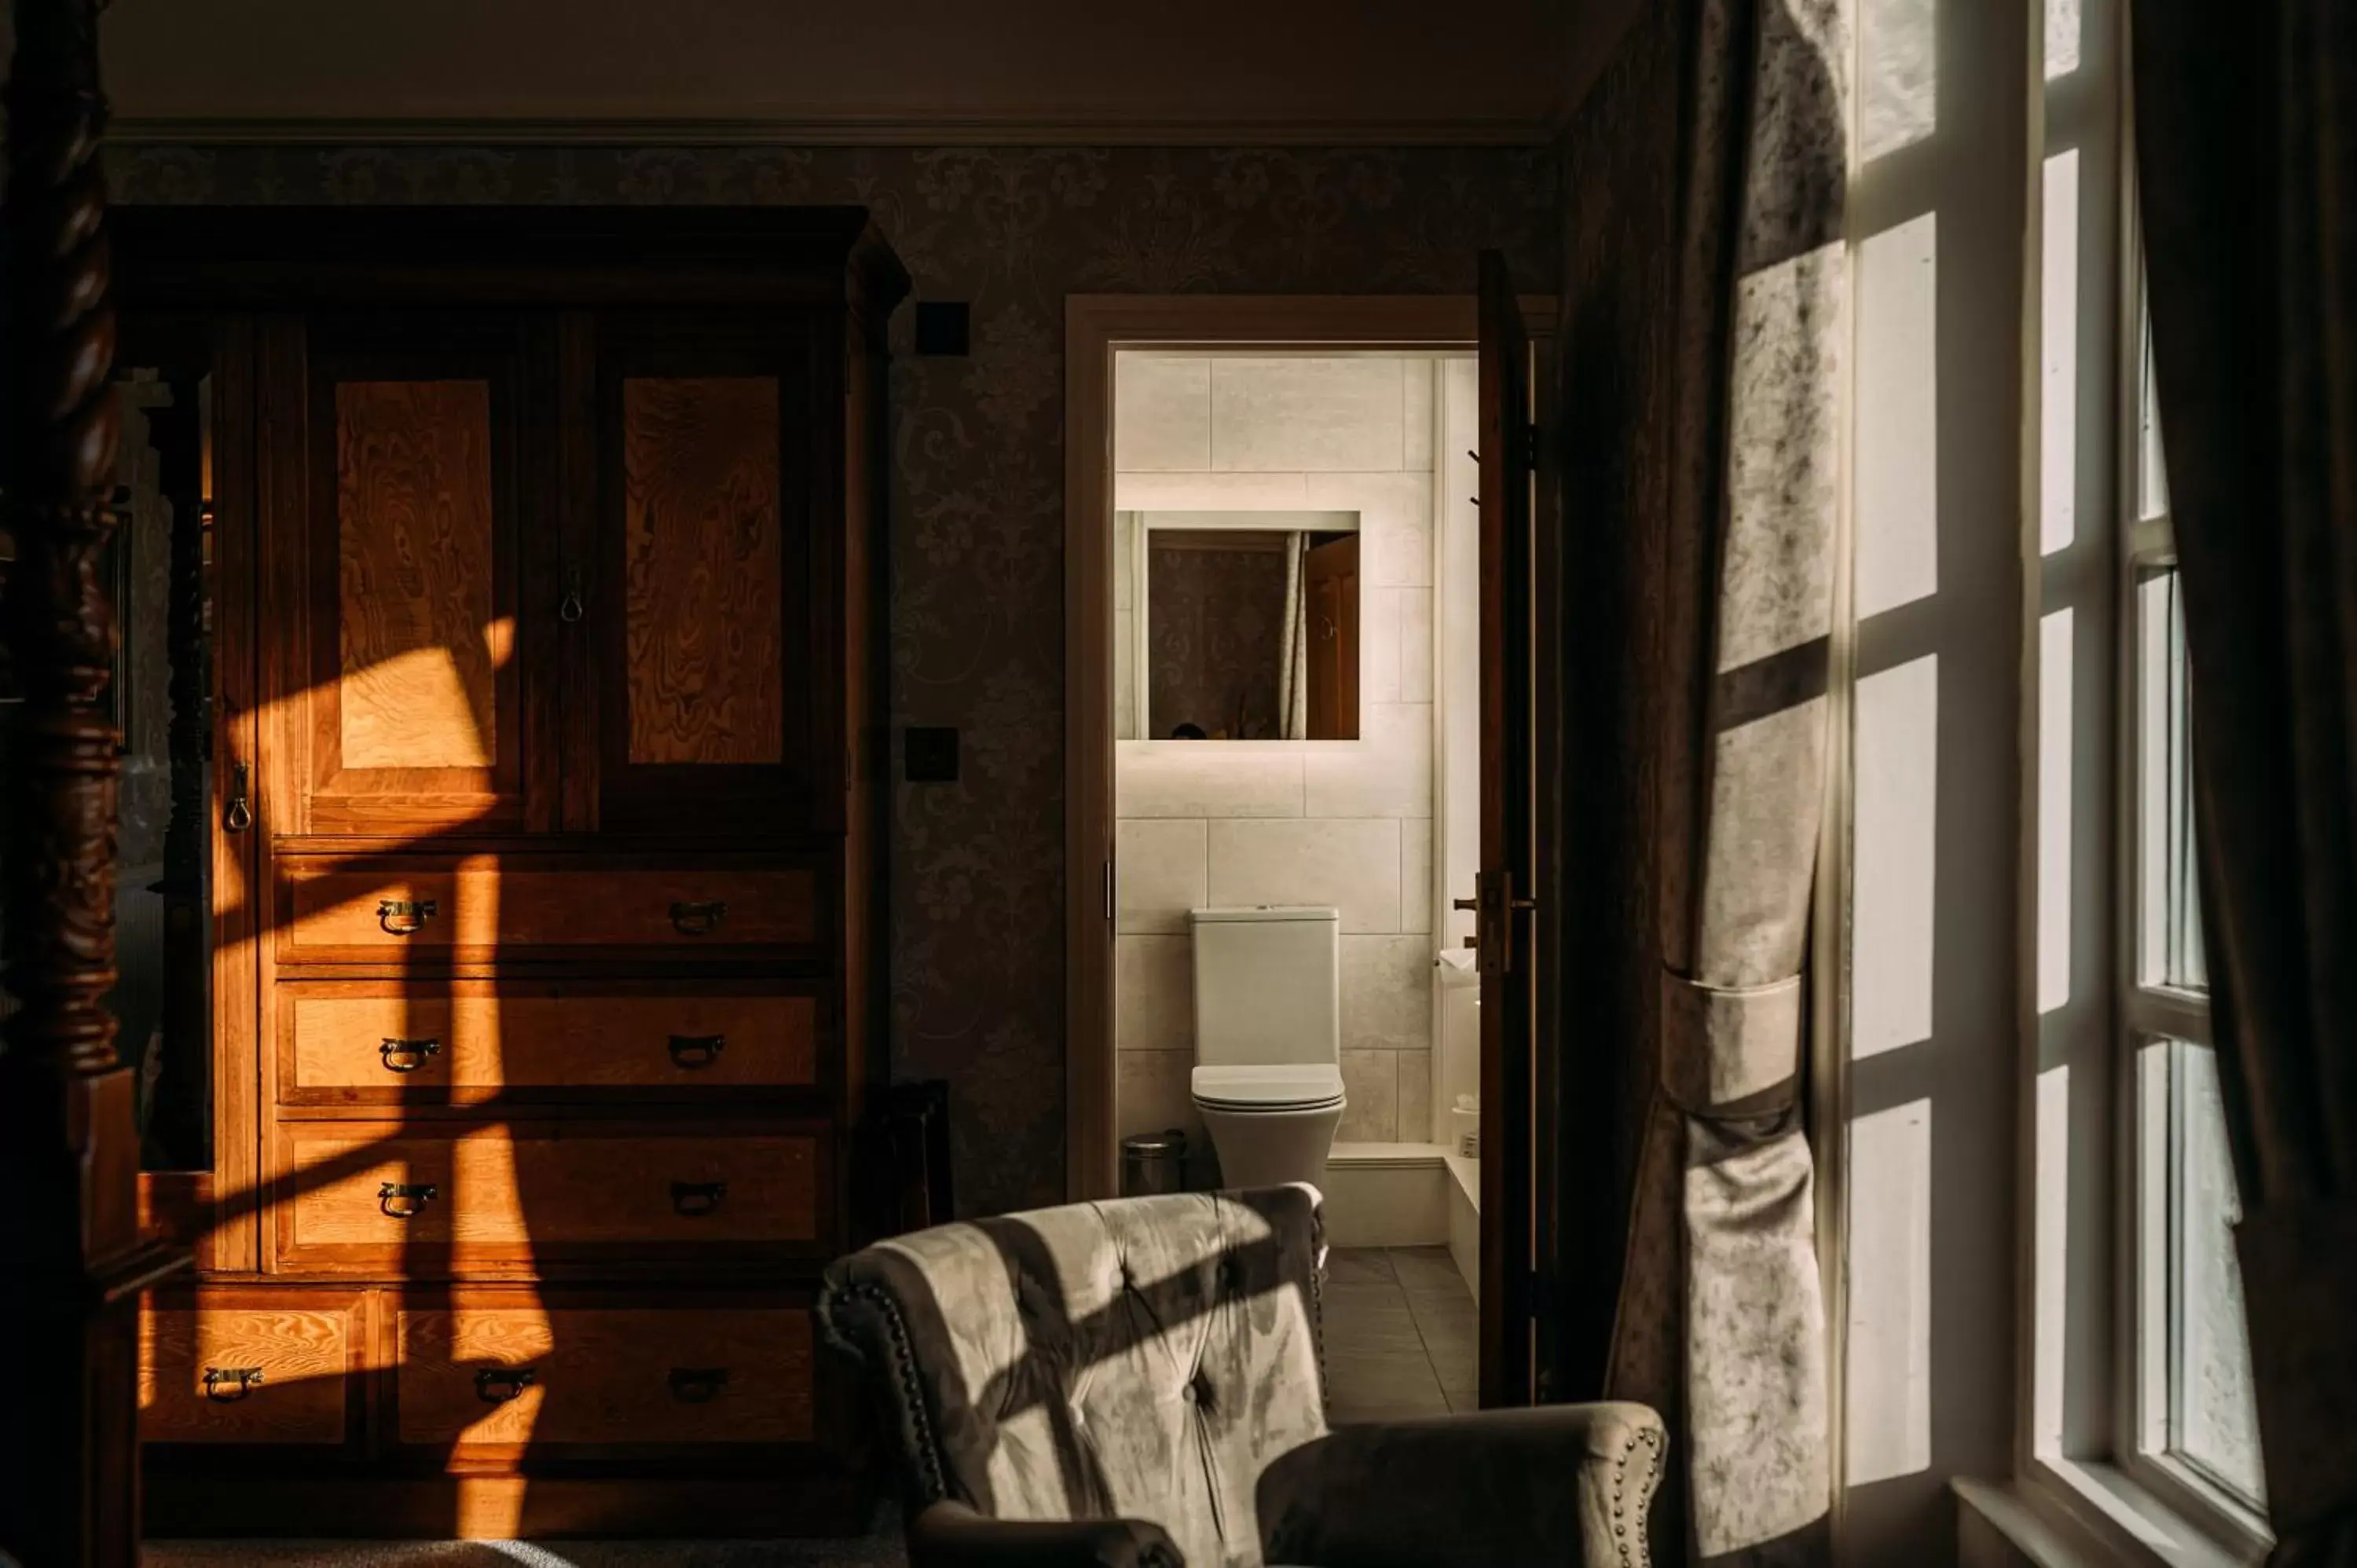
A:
[2183,962]
[2213,1424]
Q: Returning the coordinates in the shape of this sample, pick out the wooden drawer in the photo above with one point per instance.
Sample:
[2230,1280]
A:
[486,907]
[250,1365]
[463,1042]
[482,1373]
[373,1196]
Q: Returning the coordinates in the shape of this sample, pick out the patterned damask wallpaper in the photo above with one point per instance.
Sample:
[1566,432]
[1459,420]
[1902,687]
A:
[977,501]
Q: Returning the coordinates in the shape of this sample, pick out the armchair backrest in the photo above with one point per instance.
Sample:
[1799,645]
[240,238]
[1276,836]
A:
[1146,1358]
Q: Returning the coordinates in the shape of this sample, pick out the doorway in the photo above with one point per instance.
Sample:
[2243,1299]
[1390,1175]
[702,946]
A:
[1272,538]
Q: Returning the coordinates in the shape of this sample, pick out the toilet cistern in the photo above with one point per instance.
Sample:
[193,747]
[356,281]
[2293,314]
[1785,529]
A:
[1269,1075]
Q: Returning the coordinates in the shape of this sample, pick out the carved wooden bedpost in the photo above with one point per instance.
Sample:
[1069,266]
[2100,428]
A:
[72,1259]
[177,1117]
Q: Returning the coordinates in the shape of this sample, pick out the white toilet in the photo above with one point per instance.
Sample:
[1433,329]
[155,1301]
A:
[1269,1031]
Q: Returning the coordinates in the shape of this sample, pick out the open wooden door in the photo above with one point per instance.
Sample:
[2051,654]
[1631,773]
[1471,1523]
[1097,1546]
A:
[1503,902]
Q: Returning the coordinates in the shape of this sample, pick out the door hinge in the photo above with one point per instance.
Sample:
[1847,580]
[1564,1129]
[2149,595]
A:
[1108,891]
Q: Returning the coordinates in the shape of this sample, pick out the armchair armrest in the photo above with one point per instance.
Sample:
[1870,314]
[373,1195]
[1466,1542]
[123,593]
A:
[1559,1484]
[950,1535]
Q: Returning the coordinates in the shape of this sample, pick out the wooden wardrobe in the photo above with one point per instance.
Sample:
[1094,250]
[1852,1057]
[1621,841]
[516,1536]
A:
[543,560]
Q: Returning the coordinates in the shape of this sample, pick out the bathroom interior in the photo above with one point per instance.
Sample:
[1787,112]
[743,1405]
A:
[1295,676]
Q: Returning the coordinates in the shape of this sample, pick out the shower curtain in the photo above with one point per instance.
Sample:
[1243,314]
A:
[1293,646]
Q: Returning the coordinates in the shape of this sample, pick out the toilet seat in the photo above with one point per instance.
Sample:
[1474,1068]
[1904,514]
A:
[1298,1086]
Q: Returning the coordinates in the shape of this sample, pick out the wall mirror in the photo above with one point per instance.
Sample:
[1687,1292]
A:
[1237,624]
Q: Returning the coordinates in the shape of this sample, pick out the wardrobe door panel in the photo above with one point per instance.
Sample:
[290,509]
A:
[705,645]
[414,673]
[703,570]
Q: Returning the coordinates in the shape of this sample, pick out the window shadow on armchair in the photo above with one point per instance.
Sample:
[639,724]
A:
[1140,1382]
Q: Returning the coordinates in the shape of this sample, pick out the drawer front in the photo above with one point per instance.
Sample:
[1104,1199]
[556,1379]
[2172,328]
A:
[500,1375]
[355,1042]
[249,1366]
[486,907]
[362,1197]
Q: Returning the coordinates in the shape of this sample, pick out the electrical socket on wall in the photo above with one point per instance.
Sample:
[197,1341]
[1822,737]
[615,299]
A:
[929,754]
[944,326]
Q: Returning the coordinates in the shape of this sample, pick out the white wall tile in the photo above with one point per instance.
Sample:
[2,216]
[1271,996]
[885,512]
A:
[1353,865]
[1279,414]
[1152,1091]
[1414,1095]
[1417,389]
[1379,645]
[1371,1097]
[1386,993]
[1159,873]
[1211,492]
[1388,773]
[1415,644]
[1124,679]
[1395,519]
[1415,874]
[1124,534]
[1206,779]
[1154,992]
[1161,411]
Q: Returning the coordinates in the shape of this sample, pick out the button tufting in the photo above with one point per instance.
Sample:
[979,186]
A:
[1187,1392]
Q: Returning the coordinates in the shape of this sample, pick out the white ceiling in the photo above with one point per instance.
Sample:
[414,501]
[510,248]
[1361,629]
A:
[1134,70]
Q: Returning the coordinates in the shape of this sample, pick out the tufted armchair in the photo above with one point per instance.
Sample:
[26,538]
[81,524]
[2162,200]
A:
[1138,1383]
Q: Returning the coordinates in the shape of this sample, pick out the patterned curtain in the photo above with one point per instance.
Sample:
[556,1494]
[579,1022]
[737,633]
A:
[2246,134]
[1720,1319]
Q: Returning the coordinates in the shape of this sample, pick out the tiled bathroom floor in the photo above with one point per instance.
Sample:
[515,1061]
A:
[1401,1334]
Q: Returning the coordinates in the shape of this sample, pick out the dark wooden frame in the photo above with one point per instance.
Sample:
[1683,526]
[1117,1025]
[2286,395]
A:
[71,1244]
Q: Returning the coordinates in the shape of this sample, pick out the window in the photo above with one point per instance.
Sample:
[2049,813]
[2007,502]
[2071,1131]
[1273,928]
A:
[2138,1429]
[2196,1433]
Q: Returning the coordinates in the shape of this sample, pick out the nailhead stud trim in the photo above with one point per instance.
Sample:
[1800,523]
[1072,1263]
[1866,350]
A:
[908,1388]
[1642,1546]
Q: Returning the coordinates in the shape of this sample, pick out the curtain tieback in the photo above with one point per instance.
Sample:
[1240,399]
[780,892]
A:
[1730,1049]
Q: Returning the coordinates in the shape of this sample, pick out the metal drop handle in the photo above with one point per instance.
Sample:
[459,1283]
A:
[498,1385]
[405,916]
[405,1200]
[227,1385]
[697,1198]
[237,816]
[693,1052]
[569,609]
[407,1056]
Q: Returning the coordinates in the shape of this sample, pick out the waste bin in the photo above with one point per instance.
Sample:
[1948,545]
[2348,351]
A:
[1154,1161]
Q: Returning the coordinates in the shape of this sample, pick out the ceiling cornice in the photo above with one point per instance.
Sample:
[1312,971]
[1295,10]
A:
[211,130]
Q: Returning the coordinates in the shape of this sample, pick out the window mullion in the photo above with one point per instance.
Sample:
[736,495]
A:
[2162,1012]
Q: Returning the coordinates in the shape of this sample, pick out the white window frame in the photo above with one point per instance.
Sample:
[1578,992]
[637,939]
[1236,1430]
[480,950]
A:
[2112,1487]
[2151,1012]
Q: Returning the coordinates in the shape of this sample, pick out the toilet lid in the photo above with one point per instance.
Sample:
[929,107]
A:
[1288,1088]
